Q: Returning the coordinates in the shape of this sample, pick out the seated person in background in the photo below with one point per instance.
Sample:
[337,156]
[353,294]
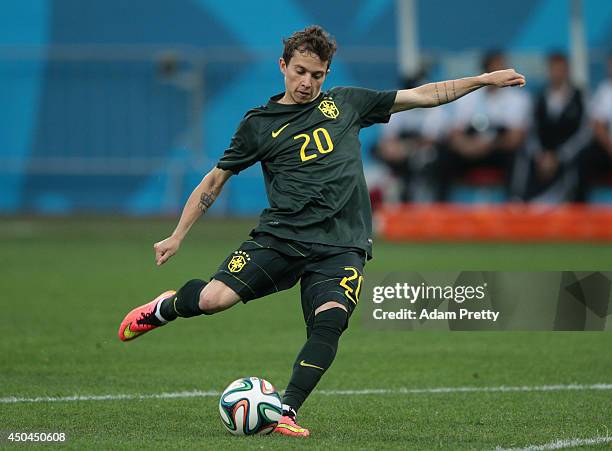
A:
[488,128]
[408,148]
[547,170]
[597,161]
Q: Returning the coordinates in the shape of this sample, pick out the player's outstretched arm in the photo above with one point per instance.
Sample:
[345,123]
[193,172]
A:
[441,92]
[198,203]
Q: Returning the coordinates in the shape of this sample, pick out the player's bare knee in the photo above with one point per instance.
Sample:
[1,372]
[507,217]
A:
[330,320]
[330,305]
[207,302]
[216,297]
[210,301]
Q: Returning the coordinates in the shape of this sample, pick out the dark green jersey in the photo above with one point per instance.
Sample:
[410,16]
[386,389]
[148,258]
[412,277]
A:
[311,160]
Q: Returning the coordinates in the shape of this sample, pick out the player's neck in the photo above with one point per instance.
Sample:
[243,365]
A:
[286,99]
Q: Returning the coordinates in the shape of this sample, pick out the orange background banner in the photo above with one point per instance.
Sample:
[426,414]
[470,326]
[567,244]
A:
[508,222]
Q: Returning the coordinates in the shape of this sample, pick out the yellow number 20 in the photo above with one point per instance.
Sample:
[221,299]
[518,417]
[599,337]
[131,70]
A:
[352,294]
[327,148]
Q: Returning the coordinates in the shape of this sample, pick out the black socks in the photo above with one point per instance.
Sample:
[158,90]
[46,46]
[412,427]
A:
[316,356]
[184,303]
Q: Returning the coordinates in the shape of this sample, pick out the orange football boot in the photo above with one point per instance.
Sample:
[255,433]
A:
[288,426]
[143,319]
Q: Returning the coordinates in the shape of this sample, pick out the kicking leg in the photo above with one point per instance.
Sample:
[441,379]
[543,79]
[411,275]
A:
[250,272]
[197,297]
[194,298]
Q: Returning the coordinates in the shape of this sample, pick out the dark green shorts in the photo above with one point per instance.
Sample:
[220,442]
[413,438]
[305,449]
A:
[266,264]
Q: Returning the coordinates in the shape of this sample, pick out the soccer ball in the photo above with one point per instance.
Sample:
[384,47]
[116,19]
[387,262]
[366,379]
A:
[250,406]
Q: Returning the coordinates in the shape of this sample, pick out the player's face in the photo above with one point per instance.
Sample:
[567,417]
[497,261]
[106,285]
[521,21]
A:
[304,76]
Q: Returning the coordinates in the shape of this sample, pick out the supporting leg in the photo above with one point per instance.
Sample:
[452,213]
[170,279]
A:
[317,354]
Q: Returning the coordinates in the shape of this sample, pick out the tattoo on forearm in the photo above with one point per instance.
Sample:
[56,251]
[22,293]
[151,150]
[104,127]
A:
[437,93]
[206,200]
[454,93]
[446,92]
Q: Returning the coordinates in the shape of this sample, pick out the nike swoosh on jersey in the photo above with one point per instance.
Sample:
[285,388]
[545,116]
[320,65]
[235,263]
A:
[278,132]
[310,365]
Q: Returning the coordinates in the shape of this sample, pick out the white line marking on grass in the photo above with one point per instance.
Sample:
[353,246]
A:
[559,444]
[374,391]
[410,391]
[117,397]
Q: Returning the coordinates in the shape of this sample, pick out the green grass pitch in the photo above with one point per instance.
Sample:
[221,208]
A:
[66,285]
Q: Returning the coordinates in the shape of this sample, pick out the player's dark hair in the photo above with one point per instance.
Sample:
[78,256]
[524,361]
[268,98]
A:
[312,39]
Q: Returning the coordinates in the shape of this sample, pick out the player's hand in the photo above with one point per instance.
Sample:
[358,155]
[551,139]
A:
[504,78]
[165,249]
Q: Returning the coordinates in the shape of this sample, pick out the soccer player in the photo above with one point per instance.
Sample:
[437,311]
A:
[318,229]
